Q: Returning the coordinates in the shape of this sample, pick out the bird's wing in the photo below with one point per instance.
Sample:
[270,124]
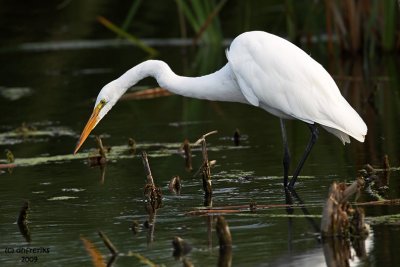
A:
[280,77]
[275,73]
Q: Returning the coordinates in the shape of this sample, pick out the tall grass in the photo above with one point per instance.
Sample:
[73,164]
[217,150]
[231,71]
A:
[389,24]
[357,26]
[203,19]
[120,32]
[349,26]
[131,14]
[364,26]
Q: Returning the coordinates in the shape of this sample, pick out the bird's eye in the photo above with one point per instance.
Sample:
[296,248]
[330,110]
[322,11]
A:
[101,104]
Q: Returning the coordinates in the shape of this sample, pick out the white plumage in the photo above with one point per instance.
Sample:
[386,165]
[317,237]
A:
[263,70]
[279,77]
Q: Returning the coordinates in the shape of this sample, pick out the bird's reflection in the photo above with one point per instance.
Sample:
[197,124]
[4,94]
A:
[289,194]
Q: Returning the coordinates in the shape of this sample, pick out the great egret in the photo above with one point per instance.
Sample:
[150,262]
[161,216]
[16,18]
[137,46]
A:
[263,70]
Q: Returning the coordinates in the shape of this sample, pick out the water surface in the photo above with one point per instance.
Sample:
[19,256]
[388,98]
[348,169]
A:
[54,90]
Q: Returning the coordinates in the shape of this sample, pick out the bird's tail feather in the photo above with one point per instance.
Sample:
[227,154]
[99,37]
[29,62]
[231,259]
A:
[346,123]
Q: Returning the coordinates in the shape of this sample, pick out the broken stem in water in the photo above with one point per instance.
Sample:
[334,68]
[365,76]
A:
[236,137]
[188,155]
[102,150]
[204,137]
[151,192]
[132,146]
[100,159]
[261,207]
[205,169]
[225,242]
[335,216]
[22,222]
[108,243]
[147,170]
[175,185]
[181,248]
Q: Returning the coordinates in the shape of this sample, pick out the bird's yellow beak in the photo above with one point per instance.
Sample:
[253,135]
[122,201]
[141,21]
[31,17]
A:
[94,118]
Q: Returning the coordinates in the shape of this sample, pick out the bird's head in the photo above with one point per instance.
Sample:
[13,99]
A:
[104,102]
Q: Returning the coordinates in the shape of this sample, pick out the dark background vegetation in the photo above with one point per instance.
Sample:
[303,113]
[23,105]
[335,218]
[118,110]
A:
[354,26]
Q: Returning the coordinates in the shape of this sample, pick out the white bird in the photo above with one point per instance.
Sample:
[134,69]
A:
[263,70]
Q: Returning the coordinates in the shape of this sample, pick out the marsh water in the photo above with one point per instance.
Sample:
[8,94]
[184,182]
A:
[50,87]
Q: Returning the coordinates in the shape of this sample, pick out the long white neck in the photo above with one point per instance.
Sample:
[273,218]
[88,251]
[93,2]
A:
[219,86]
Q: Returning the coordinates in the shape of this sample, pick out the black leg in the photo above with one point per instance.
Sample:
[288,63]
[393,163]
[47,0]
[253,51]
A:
[286,154]
[313,139]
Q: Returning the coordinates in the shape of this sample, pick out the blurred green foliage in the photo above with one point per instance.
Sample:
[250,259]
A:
[348,26]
